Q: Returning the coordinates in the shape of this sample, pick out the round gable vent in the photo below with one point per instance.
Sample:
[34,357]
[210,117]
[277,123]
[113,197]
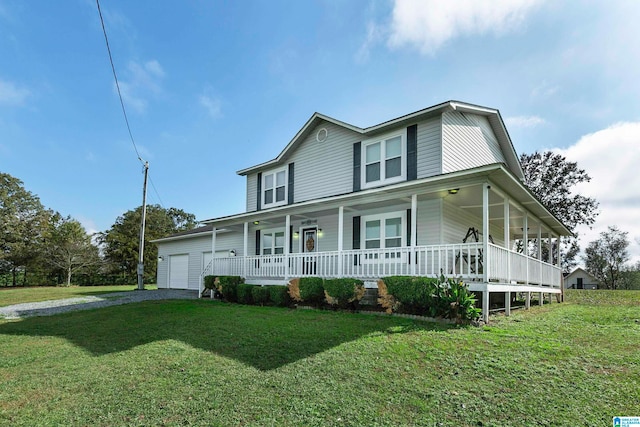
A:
[322,134]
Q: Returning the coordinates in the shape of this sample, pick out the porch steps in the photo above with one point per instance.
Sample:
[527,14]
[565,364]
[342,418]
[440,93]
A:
[370,297]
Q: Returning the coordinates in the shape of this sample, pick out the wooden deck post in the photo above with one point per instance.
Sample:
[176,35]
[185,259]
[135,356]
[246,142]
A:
[527,302]
[507,303]
[485,306]
[541,299]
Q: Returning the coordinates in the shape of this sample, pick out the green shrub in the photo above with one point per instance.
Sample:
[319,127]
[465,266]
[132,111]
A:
[227,286]
[413,294]
[312,290]
[260,295]
[428,296]
[209,282]
[341,292]
[458,302]
[279,296]
[244,293]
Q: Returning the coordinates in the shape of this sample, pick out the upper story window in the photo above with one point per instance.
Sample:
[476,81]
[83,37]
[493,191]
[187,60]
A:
[384,160]
[274,185]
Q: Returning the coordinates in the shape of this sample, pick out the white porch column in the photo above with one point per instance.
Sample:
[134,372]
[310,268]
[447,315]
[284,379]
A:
[214,236]
[414,232]
[340,239]
[559,264]
[287,246]
[541,299]
[525,242]
[527,302]
[246,249]
[485,235]
[507,236]
[550,254]
[540,252]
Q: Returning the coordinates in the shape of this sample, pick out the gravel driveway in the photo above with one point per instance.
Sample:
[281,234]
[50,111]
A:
[48,308]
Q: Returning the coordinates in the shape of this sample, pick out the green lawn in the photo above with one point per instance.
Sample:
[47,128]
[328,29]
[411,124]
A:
[10,296]
[202,362]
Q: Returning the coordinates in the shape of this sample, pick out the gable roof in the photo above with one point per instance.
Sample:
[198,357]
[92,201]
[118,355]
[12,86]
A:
[493,115]
[583,271]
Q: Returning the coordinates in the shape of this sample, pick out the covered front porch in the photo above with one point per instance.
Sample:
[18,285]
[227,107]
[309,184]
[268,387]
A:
[483,228]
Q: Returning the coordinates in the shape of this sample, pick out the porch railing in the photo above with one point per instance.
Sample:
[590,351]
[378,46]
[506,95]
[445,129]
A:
[465,260]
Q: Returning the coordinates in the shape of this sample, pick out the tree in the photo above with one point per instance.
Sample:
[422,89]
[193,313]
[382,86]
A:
[605,257]
[69,247]
[23,224]
[630,277]
[552,179]
[121,241]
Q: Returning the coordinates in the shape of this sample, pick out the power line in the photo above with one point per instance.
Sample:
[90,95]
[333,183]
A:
[157,194]
[115,76]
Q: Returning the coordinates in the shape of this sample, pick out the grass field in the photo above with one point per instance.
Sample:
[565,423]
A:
[202,362]
[10,296]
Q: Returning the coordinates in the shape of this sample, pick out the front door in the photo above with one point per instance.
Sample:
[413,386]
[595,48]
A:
[309,246]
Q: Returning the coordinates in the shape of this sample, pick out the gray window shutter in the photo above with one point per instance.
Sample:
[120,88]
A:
[290,184]
[356,238]
[357,159]
[259,195]
[412,152]
[257,242]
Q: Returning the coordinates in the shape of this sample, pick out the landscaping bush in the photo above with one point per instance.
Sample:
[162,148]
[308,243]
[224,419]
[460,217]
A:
[209,282]
[415,295]
[307,289]
[227,286]
[312,290]
[244,293]
[279,295]
[341,292]
[260,295]
[458,302]
[428,296]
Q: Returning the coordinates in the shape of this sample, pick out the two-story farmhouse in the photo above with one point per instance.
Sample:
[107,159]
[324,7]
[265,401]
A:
[438,191]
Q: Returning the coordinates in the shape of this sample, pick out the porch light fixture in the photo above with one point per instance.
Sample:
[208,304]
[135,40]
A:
[232,252]
[454,191]
[319,232]
[296,234]
[160,258]
[256,222]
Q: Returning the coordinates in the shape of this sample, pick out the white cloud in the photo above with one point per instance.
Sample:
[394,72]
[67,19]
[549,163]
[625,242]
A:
[429,24]
[611,157]
[211,104]
[142,80]
[375,33]
[524,121]
[12,94]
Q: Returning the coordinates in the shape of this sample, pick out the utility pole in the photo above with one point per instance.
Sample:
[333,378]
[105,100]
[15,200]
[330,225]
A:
[144,215]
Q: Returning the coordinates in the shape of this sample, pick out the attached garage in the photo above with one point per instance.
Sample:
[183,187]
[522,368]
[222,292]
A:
[179,271]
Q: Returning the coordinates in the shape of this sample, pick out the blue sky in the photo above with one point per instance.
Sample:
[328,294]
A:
[213,87]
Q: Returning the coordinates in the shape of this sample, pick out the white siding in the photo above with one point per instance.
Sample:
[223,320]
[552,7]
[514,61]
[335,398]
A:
[468,142]
[430,147]
[458,221]
[195,247]
[429,219]
[252,191]
[324,168]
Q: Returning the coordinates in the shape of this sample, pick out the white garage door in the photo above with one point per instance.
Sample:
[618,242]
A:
[178,271]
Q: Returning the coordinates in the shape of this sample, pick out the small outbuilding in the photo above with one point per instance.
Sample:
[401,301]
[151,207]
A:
[580,279]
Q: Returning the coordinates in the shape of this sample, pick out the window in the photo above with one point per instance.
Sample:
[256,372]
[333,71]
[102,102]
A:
[382,232]
[272,242]
[384,161]
[274,186]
